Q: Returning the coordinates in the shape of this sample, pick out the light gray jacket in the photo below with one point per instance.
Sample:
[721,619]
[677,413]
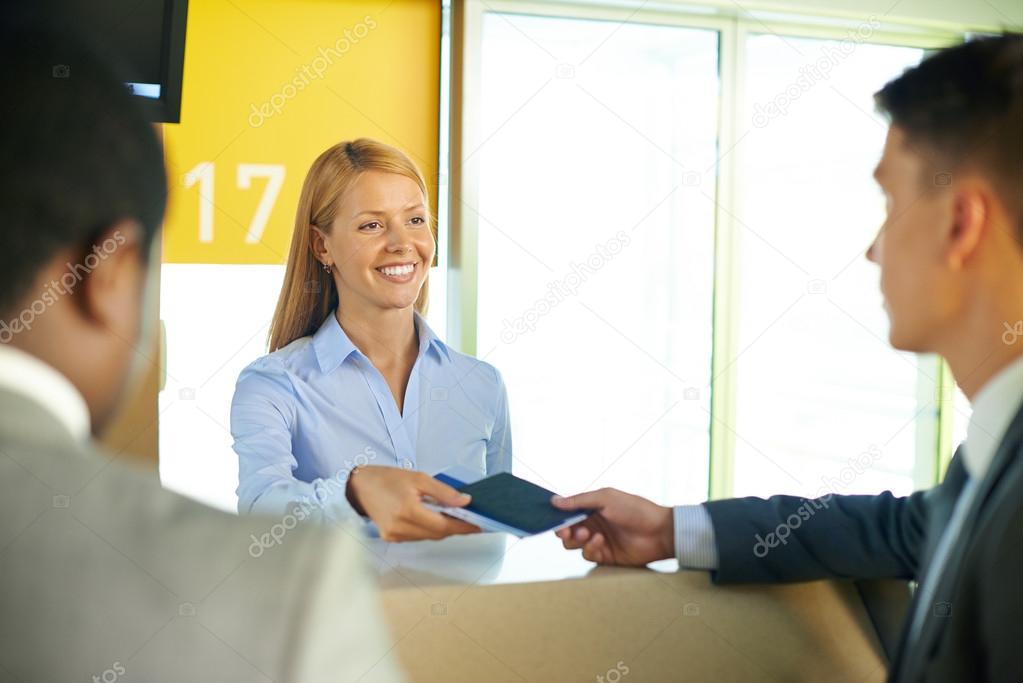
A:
[103,575]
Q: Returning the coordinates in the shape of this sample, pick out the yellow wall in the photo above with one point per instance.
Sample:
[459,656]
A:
[268,85]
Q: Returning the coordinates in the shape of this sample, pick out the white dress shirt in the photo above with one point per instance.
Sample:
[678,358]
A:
[994,406]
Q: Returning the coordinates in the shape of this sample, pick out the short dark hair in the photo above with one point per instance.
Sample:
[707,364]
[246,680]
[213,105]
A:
[79,154]
[962,107]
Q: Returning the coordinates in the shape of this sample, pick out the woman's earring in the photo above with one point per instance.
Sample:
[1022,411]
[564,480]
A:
[326,267]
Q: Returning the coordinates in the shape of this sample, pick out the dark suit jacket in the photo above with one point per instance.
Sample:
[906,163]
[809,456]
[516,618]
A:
[974,629]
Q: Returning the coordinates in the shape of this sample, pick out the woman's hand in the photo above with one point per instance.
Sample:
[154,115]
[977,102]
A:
[393,499]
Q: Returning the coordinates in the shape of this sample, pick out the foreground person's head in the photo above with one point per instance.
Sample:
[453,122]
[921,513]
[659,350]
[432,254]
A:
[81,204]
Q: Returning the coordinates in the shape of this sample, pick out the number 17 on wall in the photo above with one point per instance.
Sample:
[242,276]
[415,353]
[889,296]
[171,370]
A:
[203,174]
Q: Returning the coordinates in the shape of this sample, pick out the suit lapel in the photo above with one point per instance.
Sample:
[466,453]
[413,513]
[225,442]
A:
[22,420]
[33,437]
[940,501]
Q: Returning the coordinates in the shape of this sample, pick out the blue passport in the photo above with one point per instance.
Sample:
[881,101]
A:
[506,503]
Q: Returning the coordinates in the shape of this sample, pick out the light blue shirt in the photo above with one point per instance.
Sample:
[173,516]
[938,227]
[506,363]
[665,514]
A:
[304,416]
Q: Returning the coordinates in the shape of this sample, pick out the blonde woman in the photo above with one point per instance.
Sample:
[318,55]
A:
[358,402]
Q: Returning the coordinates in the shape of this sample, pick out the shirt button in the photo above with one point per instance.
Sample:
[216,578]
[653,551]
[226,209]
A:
[407,464]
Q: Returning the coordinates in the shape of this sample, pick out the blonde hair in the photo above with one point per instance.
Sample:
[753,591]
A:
[308,294]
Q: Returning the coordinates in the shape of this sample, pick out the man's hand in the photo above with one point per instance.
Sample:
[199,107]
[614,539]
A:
[393,499]
[626,530]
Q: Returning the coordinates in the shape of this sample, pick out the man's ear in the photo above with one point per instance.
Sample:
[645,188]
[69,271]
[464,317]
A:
[970,223]
[113,278]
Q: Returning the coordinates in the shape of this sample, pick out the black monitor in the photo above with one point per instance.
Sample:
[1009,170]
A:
[145,39]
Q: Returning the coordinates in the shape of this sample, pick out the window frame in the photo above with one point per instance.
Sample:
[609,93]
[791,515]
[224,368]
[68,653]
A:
[733,25]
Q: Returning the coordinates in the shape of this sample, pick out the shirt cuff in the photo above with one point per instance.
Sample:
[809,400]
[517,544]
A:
[695,547]
[324,505]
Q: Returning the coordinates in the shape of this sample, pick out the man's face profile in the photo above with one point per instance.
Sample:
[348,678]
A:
[910,246]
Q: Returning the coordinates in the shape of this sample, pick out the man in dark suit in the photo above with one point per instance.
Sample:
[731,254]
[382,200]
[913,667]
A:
[951,266]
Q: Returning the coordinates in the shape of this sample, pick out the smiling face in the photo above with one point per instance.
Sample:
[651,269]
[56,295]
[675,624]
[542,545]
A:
[380,245]
[920,290]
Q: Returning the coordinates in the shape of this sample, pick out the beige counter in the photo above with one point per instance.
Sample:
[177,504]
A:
[494,608]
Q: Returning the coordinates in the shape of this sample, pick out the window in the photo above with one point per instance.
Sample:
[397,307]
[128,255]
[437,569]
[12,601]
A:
[823,403]
[736,343]
[596,247]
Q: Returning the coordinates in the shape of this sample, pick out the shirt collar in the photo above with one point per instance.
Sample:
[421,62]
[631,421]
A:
[333,347]
[24,374]
[331,344]
[995,405]
[428,338]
